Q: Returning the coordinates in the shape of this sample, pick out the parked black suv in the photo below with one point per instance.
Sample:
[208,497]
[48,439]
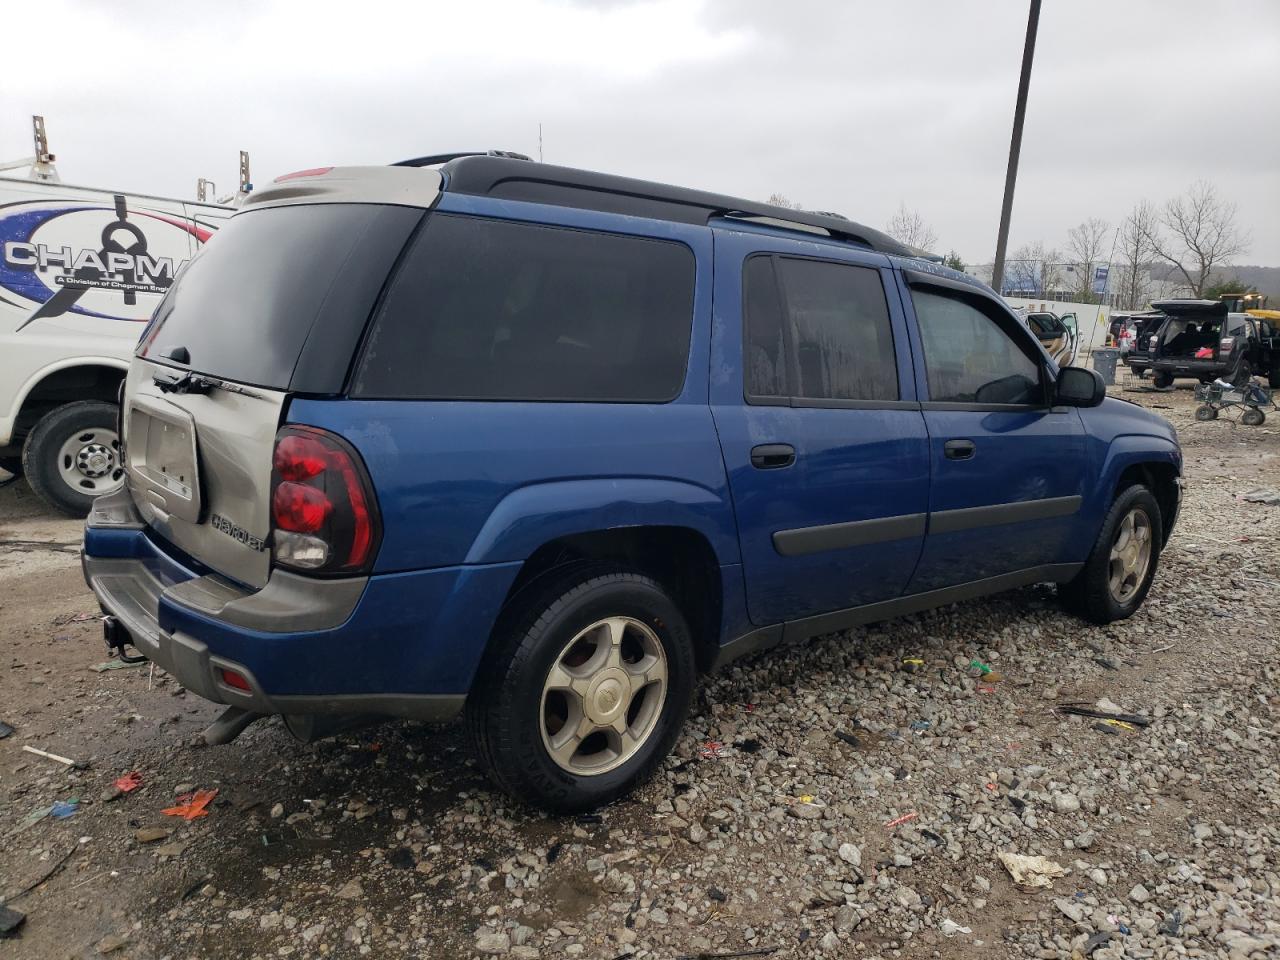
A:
[1201,339]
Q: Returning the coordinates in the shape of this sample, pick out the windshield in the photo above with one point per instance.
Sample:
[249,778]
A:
[245,306]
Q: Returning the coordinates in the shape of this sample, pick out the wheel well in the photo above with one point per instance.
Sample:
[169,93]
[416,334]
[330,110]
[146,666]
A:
[87,382]
[680,559]
[1162,480]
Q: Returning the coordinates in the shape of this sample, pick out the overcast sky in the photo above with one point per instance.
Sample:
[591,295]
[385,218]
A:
[839,105]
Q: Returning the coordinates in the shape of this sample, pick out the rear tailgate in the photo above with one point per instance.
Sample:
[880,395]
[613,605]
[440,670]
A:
[200,468]
[276,306]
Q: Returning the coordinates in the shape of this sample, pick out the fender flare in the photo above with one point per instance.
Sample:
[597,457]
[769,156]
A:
[534,515]
[1127,450]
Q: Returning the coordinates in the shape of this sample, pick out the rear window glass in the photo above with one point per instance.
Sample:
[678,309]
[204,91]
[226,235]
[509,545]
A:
[244,307]
[497,310]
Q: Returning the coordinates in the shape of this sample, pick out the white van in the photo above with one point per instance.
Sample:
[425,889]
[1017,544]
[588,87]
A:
[81,270]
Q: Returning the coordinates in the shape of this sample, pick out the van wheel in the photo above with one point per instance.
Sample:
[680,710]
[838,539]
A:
[1162,379]
[1122,564]
[586,690]
[73,455]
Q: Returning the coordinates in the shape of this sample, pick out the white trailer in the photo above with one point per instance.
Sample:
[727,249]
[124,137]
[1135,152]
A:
[81,270]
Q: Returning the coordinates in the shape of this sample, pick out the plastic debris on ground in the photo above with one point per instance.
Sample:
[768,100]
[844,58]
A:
[981,667]
[905,818]
[66,761]
[912,664]
[1099,939]
[1082,710]
[919,725]
[63,809]
[129,782]
[950,928]
[711,750]
[32,818]
[5,729]
[1031,871]
[192,805]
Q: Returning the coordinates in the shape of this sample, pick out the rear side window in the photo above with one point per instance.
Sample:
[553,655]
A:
[498,310]
[968,358]
[817,330]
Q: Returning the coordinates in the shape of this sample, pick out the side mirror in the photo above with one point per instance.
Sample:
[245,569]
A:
[1079,387]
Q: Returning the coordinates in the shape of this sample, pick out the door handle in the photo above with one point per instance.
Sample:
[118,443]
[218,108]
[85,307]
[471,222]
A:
[772,456]
[959,449]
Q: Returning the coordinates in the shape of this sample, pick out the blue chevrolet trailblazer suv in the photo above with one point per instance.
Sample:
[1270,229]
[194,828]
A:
[475,435]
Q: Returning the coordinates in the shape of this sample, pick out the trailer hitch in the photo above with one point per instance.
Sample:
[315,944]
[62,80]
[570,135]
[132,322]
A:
[117,638]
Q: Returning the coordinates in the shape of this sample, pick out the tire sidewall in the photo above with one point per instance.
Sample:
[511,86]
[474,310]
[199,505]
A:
[1136,496]
[635,598]
[40,452]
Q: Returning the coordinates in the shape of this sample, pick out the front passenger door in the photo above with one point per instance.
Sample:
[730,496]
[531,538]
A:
[1008,470]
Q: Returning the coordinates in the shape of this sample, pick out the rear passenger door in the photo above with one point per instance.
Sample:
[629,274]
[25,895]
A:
[1008,470]
[824,442]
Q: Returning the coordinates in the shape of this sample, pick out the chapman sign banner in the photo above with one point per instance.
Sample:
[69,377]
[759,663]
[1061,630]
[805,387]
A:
[89,258]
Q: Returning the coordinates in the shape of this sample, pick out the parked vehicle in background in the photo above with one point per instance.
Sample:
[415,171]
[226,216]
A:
[81,270]
[538,446]
[1144,326]
[1202,340]
[1057,338]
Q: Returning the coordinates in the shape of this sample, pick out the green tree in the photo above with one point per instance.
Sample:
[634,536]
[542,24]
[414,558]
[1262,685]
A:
[1216,288]
[952,260]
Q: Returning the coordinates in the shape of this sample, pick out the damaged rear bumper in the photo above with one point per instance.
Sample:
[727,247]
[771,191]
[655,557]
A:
[301,646]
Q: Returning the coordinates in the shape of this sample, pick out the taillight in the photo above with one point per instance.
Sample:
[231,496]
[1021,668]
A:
[323,514]
[1224,345]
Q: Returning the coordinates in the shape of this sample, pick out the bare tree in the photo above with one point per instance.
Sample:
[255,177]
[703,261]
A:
[1133,272]
[1034,269]
[1202,235]
[1086,250]
[907,226]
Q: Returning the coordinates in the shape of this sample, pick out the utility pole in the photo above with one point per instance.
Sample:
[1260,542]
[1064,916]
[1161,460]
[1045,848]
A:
[1015,145]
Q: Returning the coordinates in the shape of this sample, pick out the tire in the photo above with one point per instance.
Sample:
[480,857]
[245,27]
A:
[1205,412]
[1253,417]
[510,712]
[11,465]
[1162,379]
[73,455]
[1090,595]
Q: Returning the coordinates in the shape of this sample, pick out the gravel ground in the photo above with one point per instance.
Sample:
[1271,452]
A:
[833,799]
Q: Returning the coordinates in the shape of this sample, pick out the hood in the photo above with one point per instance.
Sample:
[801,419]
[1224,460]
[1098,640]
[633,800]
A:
[1124,416]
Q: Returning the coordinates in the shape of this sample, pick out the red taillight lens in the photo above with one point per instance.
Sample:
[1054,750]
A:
[322,505]
[300,458]
[233,679]
[299,508]
[1225,344]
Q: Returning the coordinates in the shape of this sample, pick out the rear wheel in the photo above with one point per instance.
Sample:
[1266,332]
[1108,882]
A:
[1253,417]
[72,455]
[1206,412]
[1162,379]
[587,689]
[1118,574]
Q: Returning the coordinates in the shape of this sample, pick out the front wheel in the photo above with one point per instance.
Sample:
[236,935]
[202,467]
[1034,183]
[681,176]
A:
[72,455]
[1206,412]
[1118,574]
[1162,379]
[1253,417]
[585,691]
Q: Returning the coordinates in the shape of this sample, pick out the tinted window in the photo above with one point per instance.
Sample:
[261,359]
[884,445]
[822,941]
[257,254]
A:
[246,304]
[968,358]
[839,323]
[490,309]
[765,356]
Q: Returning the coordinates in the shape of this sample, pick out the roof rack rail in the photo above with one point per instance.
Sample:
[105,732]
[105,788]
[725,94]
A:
[490,175]
[438,158]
